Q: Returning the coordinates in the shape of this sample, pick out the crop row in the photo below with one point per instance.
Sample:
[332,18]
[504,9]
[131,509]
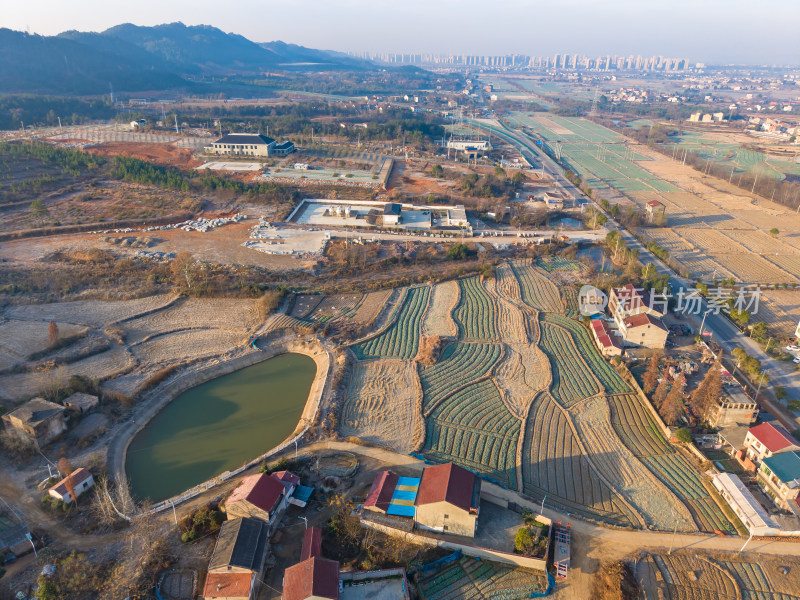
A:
[401,339]
[554,464]
[470,578]
[537,291]
[608,377]
[569,298]
[635,428]
[460,364]
[638,432]
[749,576]
[714,577]
[475,311]
[572,379]
[475,429]
[557,263]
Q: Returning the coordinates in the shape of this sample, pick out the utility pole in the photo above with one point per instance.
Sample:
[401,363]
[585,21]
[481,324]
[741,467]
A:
[674,531]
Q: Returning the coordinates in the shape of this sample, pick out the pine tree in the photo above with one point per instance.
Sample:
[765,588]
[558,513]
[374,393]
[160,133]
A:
[673,408]
[661,393]
[650,379]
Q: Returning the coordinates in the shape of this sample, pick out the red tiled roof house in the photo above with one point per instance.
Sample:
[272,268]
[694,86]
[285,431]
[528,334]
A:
[448,500]
[229,586]
[82,480]
[315,578]
[765,440]
[608,343]
[261,496]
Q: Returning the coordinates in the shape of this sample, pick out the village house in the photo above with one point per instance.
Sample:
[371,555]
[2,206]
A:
[39,418]
[765,440]
[629,300]
[644,330]
[606,341]
[261,496]
[448,500]
[744,504]
[81,481]
[314,577]
[734,408]
[237,563]
[780,477]
[445,499]
[655,211]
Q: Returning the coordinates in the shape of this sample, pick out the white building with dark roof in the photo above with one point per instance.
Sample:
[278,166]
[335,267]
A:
[243,144]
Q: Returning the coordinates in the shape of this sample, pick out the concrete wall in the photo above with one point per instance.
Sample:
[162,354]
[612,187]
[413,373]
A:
[476,551]
[246,509]
[439,515]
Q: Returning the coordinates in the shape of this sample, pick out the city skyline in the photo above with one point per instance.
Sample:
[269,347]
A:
[711,31]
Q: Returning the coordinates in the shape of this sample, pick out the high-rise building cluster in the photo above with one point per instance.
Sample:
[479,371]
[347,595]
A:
[521,61]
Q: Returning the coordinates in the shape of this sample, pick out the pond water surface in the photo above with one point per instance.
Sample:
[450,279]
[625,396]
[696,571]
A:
[219,425]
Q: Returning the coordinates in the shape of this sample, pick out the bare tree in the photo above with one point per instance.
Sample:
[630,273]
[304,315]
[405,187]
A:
[65,467]
[53,332]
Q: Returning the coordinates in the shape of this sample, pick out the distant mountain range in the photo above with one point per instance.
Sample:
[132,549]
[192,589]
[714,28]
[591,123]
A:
[133,58]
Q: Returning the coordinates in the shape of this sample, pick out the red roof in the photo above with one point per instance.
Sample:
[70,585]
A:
[629,297]
[260,490]
[654,203]
[447,483]
[228,585]
[643,319]
[381,491]
[774,437]
[78,476]
[312,577]
[286,477]
[604,335]
[312,543]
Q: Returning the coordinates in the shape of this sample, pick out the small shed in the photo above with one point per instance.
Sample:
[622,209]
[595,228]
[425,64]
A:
[39,418]
[81,402]
[81,480]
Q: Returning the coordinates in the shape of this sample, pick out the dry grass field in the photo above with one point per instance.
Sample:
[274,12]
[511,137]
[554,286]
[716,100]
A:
[439,318]
[382,404]
[134,338]
[688,575]
[716,229]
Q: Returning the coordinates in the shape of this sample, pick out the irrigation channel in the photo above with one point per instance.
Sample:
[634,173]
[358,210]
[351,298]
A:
[219,425]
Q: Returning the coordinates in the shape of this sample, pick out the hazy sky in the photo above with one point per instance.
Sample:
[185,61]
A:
[703,30]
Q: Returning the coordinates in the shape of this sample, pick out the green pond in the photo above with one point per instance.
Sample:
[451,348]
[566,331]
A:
[219,425]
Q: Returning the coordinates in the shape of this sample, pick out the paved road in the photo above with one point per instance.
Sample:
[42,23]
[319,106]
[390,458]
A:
[781,373]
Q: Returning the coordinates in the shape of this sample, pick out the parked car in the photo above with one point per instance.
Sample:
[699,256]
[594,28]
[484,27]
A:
[792,348]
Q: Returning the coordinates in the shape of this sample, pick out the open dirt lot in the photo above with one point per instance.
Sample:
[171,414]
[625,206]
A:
[222,245]
[164,154]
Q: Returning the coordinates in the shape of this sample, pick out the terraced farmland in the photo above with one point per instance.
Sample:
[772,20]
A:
[475,429]
[401,339]
[572,379]
[554,464]
[536,290]
[471,579]
[726,576]
[522,397]
[638,432]
[475,311]
[608,377]
[459,365]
